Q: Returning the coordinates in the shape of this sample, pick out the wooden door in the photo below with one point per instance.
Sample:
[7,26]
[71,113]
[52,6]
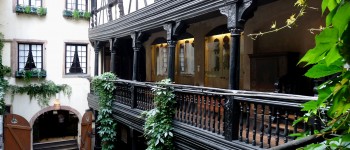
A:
[86,131]
[16,133]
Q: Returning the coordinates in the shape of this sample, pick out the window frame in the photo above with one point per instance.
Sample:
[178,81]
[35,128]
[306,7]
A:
[29,2]
[30,47]
[76,5]
[86,58]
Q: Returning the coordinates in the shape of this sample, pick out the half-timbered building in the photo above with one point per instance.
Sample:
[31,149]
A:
[228,86]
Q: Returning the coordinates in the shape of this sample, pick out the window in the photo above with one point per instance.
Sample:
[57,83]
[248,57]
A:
[80,5]
[33,3]
[162,59]
[30,56]
[186,56]
[218,55]
[76,59]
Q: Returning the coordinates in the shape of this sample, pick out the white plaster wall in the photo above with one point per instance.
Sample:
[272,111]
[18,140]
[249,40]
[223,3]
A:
[55,30]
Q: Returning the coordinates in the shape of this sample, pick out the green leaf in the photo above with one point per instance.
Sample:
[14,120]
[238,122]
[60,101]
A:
[310,105]
[333,55]
[322,70]
[341,18]
[324,92]
[329,17]
[332,4]
[171,134]
[157,142]
[327,36]
[324,5]
[315,55]
[327,39]
[298,120]
[315,147]
[337,108]
[346,138]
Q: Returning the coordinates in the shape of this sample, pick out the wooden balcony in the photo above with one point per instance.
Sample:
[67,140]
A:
[212,118]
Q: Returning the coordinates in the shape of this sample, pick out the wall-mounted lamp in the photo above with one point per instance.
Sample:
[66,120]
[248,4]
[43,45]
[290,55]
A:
[57,105]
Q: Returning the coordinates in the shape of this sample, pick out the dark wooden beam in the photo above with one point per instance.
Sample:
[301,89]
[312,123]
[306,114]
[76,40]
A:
[154,16]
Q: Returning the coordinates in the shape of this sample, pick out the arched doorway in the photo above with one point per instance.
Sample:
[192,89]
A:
[55,125]
[55,129]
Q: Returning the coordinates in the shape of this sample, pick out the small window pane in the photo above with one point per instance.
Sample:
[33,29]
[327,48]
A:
[21,53]
[38,3]
[26,47]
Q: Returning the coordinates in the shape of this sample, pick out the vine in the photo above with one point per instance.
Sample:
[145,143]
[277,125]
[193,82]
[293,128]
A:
[104,88]
[4,70]
[158,126]
[329,58]
[290,22]
[42,91]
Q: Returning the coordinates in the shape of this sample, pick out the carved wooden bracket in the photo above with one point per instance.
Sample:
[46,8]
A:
[113,44]
[97,45]
[138,38]
[238,12]
[174,29]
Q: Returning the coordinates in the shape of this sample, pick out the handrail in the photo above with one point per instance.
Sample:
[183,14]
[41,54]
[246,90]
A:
[225,92]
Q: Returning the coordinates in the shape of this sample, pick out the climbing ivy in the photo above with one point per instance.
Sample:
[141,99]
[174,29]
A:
[4,70]
[158,126]
[104,88]
[42,91]
[330,58]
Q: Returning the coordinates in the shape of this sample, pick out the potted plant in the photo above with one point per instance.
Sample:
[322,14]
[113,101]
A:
[28,74]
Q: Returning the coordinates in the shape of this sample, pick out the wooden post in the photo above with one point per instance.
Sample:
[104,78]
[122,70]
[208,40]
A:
[171,60]
[136,43]
[173,29]
[137,39]
[169,28]
[133,97]
[234,59]
[97,47]
[237,12]
[231,119]
[112,47]
[133,139]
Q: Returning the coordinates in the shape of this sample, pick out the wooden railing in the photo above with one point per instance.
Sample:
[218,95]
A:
[257,118]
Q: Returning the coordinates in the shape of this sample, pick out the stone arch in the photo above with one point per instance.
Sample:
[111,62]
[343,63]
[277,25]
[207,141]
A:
[50,108]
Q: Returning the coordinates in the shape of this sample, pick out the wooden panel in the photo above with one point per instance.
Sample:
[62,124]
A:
[16,133]
[86,131]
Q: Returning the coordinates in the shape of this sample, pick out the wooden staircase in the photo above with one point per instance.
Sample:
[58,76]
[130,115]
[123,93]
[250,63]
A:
[60,145]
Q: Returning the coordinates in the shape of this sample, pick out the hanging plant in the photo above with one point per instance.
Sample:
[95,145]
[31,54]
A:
[27,9]
[42,91]
[41,11]
[104,88]
[159,121]
[87,15]
[76,14]
[27,75]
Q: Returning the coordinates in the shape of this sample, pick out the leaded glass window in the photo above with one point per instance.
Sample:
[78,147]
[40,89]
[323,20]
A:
[80,5]
[76,59]
[186,56]
[162,59]
[33,3]
[30,56]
